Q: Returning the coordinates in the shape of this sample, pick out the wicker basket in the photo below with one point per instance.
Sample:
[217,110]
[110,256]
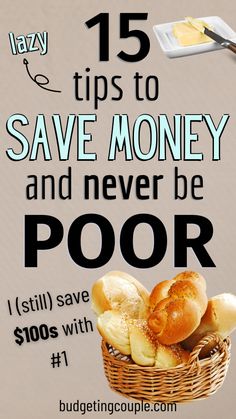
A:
[196,379]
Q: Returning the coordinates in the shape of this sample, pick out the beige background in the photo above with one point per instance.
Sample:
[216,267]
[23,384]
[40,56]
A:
[30,388]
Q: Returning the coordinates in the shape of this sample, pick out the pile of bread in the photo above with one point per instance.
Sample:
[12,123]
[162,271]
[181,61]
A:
[162,327]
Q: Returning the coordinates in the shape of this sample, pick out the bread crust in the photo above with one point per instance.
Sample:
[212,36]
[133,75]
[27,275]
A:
[194,276]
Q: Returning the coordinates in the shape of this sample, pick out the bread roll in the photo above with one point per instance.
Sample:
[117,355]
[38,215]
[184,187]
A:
[120,291]
[147,351]
[176,317]
[220,318]
[160,291]
[142,343]
[135,338]
[170,356]
[113,327]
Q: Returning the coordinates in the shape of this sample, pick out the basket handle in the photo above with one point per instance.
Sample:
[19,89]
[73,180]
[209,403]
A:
[194,356]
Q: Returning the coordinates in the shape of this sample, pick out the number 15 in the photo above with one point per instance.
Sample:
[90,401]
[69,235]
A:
[125,32]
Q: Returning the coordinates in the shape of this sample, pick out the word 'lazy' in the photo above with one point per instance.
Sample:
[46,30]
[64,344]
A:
[29,43]
[145,132]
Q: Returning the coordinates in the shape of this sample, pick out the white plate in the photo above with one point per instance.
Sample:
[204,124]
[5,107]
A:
[172,49]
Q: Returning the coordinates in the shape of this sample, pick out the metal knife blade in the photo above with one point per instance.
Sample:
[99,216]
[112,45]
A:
[225,43]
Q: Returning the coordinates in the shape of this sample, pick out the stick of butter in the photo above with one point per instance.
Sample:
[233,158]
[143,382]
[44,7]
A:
[188,35]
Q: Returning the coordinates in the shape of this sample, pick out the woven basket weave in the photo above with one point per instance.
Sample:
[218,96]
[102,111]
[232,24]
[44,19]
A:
[196,379]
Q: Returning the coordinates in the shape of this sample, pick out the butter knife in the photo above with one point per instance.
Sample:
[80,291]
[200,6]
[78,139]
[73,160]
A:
[225,43]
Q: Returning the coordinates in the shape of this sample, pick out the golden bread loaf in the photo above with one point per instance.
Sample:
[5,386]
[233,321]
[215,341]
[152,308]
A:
[220,318]
[113,327]
[120,291]
[175,317]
